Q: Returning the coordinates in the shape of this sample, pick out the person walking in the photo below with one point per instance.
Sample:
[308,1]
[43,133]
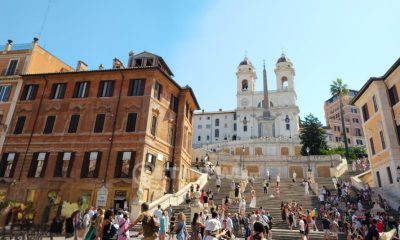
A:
[265,185]
[196,227]
[294,175]
[306,188]
[242,207]
[171,226]
[253,201]
[180,229]
[146,218]
[278,179]
[123,230]
[218,184]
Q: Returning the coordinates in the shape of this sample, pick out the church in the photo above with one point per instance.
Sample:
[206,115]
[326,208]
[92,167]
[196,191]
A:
[266,114]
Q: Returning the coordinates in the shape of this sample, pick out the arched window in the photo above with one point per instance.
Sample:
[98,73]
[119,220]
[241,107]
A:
[284,82]
[245,85]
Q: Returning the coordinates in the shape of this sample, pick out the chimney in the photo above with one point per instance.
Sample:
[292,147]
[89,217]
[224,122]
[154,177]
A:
[130,59]
[117,64]
[101,67]
[8,45]
[81,66]
[35,41]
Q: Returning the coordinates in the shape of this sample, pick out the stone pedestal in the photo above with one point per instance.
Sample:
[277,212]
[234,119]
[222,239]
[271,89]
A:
[136,205]
[195,205]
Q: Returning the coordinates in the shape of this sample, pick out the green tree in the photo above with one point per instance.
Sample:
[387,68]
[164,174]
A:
[312,135]
[340,89]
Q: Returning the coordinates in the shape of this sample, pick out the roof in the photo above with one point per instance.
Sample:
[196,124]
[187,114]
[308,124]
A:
[145,53]
[283,58]
[213,112]
[245,61]
[17,47]
[117,70]
[373,79]
[351,93]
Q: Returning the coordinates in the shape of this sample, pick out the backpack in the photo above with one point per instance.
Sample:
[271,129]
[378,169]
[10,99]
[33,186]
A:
[155,223]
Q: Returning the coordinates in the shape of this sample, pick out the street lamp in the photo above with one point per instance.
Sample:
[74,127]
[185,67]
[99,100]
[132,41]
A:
[242,158]
[308,155]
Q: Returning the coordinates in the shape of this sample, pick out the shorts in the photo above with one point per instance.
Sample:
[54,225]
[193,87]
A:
[302,232]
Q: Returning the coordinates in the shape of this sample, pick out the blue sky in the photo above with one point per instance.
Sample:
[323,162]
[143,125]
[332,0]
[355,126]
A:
[203,41]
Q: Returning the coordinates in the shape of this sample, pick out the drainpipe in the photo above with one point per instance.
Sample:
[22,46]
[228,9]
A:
[113,127]
[172,172]
[33,127]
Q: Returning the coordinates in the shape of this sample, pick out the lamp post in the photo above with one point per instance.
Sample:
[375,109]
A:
[242,158]
[308,156]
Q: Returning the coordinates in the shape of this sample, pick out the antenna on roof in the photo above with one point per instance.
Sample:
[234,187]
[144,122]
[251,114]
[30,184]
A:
[44,19]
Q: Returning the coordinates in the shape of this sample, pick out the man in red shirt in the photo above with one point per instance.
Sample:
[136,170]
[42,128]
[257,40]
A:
[379,225]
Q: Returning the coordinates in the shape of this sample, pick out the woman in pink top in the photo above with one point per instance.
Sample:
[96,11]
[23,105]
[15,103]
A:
[123,231]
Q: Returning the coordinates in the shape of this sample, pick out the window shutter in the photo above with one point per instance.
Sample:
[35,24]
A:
[142,85]
[62,90]
[118,165]
[96,171]
[85,165]
[87,89]
[33,166]
[132,164]
[3,164]
[71,164]
[59,164]
[14,165]
[24,92]
[101,86]
[53,91]
[46,159]
[112,83]
[7,93]
[34,91]
[76,89]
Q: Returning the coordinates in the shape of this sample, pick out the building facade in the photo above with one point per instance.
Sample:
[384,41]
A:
[378,101]
[17,59]
[352,121]
[104,137]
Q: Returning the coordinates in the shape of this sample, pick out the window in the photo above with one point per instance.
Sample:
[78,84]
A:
[375,104]
[234,127]
[38,164]
[208,118]
[353,110]
[131,122]
[106,88]
[29,92]
[7,164]
[216,133]
[225,125]
[287,126]
[124,165]
[217,122]
[171,135]
[5,91]
[153,125]
[347,130]
[378,178]
[382,140]
[64,164]
[244,128]
[365,112]
[371,142]
[158,90]
[12,67]
[81,89]
[359,142]
[394,98]
[48,128]
[389,174]
[99,124]
[245,85]
[150,162]
[337,139]
[173,105]
[355,120]
[199,126]
[234,116]
[199,138]
[91,165]
[357,132]
[73,123]
[348,141]
[136,87]
[208,137]
[208,125]
[398,133]
[58,90]
[20,125]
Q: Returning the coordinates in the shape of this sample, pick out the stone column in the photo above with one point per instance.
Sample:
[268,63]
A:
[136,204]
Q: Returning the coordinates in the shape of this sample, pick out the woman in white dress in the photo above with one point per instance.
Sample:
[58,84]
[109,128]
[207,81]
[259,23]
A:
[253,202]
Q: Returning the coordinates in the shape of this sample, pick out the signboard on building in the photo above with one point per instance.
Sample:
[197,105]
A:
[102,194]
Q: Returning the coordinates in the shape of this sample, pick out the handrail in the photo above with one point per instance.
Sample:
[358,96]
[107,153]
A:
[177,198]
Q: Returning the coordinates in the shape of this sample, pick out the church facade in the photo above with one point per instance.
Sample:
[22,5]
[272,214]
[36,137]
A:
[266,114]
